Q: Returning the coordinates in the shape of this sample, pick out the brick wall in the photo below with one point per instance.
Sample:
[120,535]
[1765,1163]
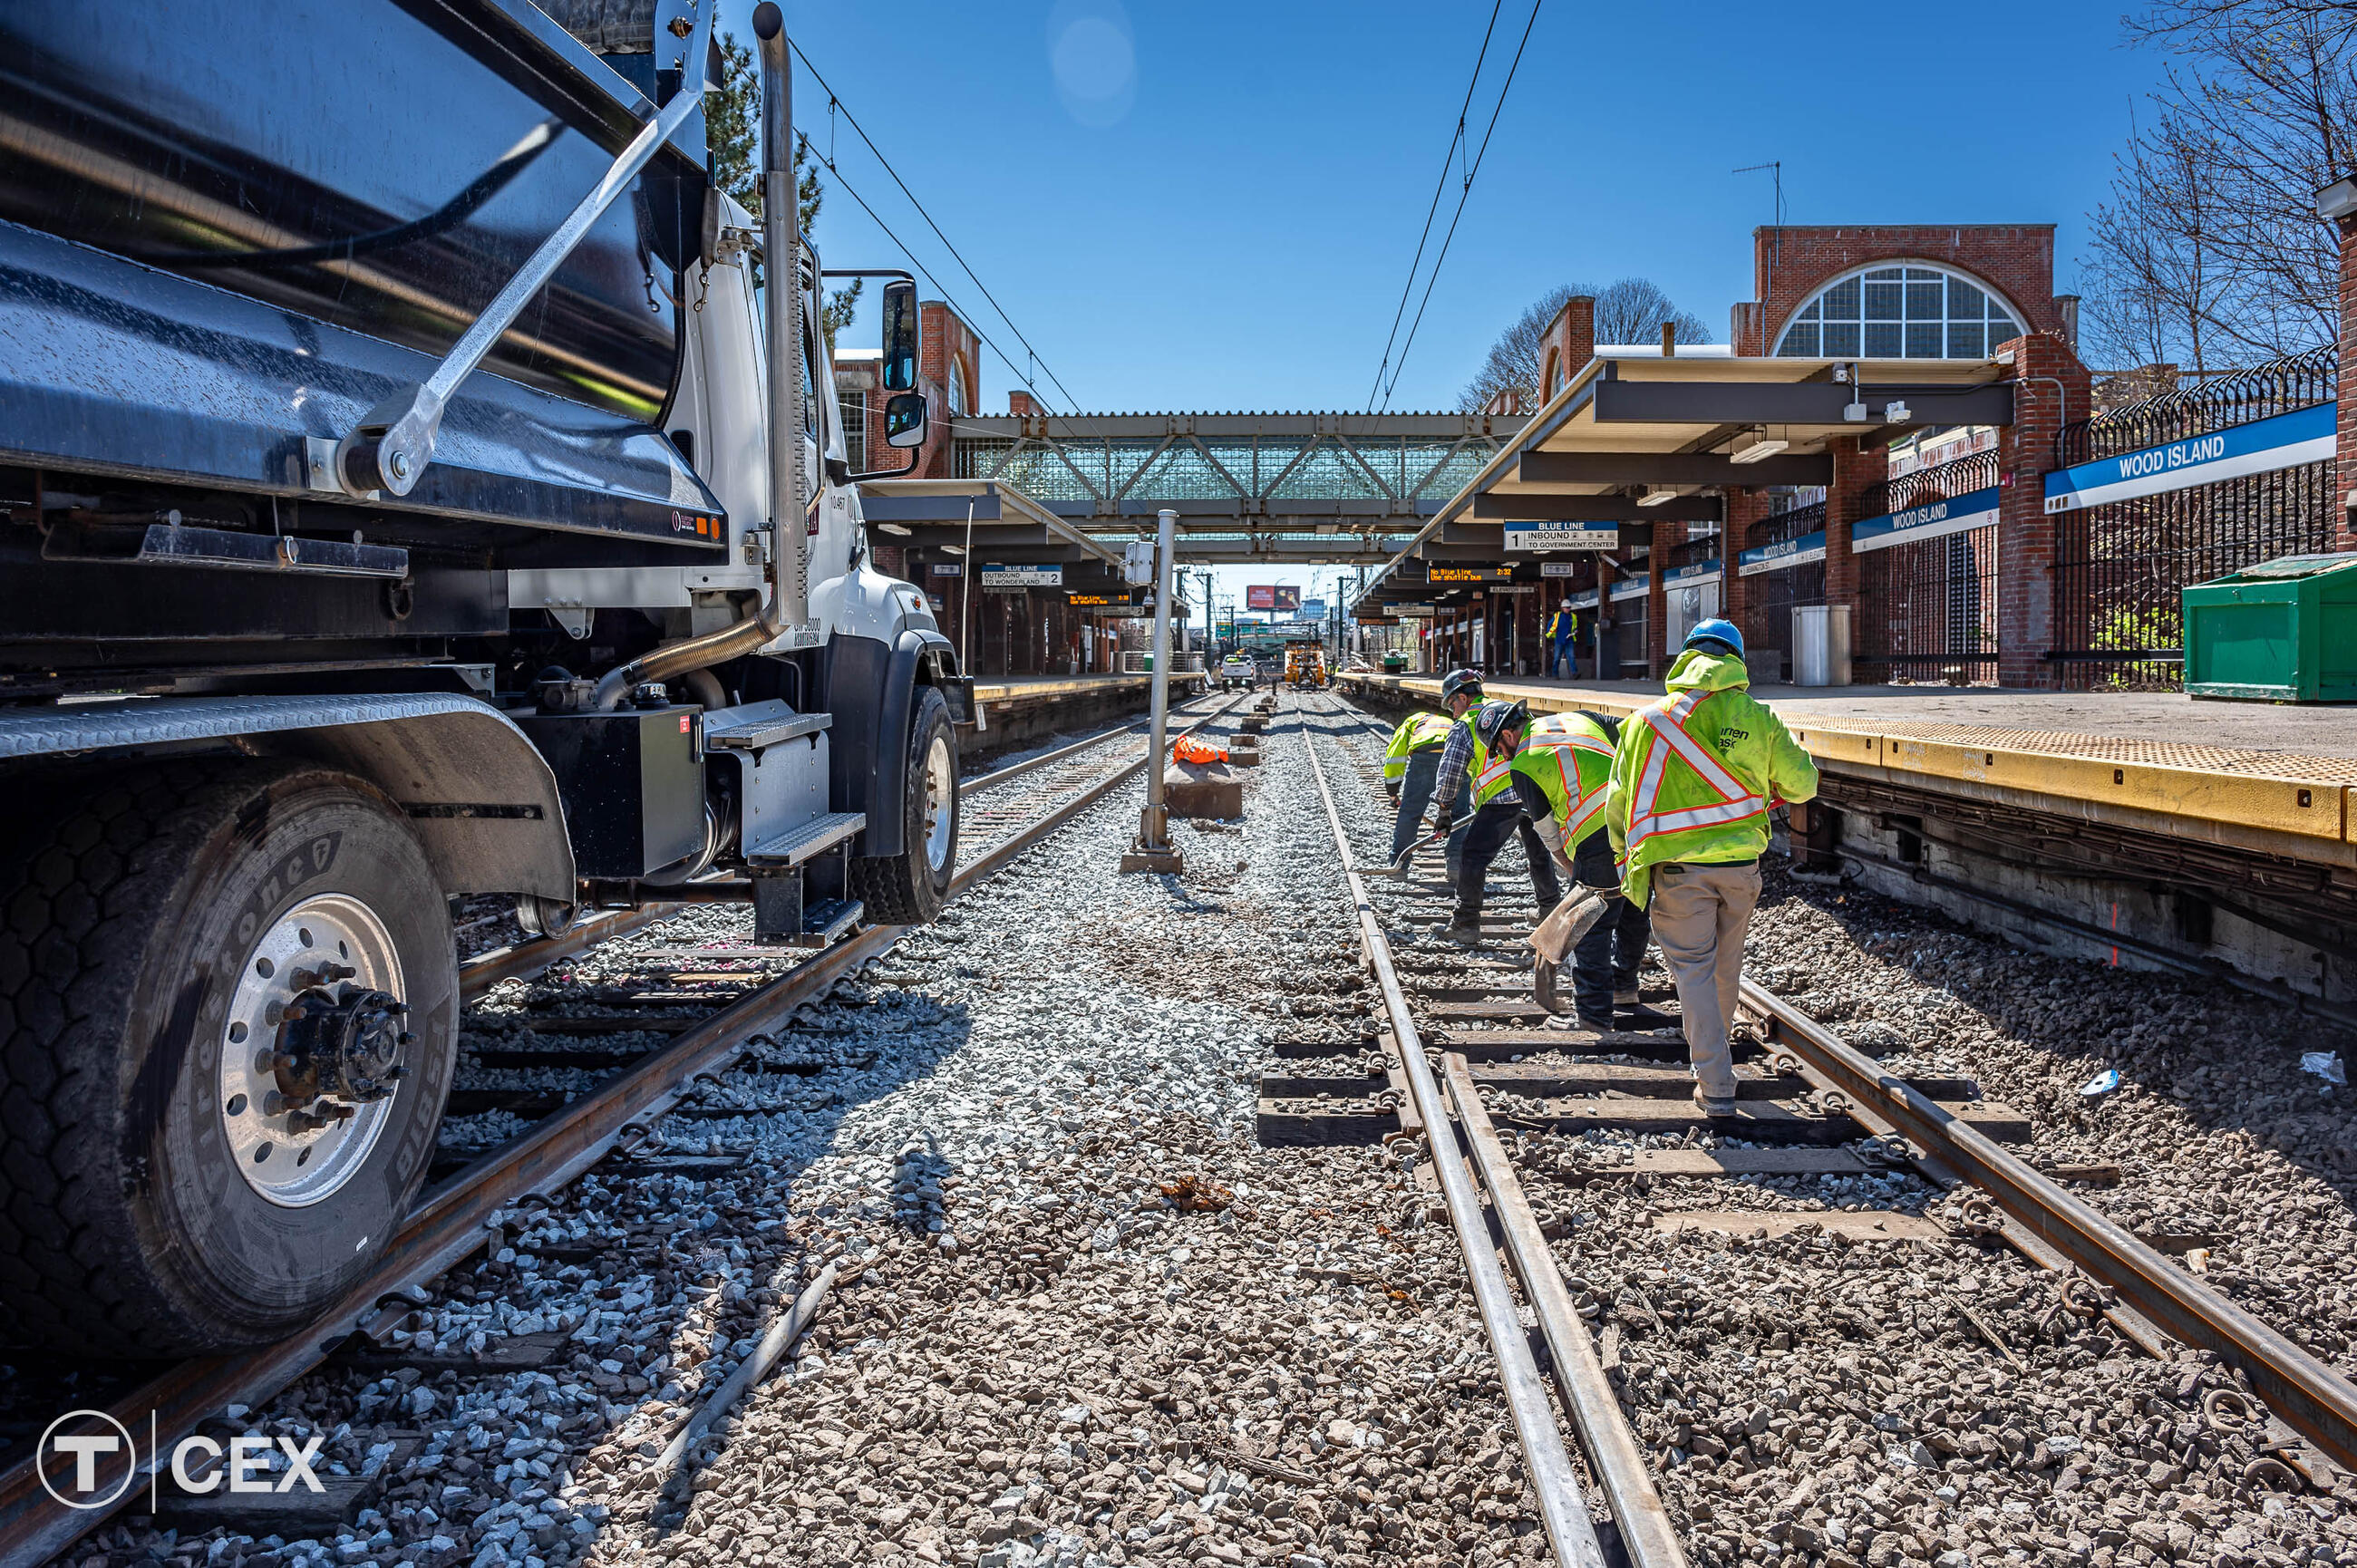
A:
[1857,465]
[2025,535]
[1790,265]
[1746,505]
[1567,344]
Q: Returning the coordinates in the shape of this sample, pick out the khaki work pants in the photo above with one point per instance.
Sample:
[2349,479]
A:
[1699,914]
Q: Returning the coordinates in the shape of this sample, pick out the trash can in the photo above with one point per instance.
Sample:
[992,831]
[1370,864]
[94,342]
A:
[2283,631]
[1821,645]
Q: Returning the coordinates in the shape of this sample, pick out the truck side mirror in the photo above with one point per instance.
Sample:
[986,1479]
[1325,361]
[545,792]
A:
[902,336]
[904,419]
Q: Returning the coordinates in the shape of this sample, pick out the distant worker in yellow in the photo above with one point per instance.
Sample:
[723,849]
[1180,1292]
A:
[1563,662]
[1693,780]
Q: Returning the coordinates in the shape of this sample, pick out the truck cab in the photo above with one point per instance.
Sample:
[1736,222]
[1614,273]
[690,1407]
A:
[389,519]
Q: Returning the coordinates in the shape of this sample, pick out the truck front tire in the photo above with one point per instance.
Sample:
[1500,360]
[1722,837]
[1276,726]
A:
[909,889]
[228,1019]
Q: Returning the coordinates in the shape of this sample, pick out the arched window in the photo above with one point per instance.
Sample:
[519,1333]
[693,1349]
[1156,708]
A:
[960,391]
[1912,312]
[1553,374]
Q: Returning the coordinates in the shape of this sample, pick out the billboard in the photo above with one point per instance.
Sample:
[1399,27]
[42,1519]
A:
[1283,596]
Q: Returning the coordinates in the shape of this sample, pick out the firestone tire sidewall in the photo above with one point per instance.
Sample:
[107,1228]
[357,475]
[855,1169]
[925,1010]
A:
[239,1268]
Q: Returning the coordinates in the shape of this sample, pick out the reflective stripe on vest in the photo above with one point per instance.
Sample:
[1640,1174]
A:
[1585,804]
[1736,801]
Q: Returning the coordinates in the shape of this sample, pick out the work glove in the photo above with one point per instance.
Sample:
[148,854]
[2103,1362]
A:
[1391,787]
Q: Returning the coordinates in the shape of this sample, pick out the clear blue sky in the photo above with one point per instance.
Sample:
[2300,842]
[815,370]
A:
[1233,228]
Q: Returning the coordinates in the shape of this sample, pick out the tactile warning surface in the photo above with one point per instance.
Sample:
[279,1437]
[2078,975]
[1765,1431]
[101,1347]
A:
[2242,761]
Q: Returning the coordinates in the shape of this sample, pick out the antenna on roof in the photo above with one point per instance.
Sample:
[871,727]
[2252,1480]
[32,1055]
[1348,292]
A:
[1776,241]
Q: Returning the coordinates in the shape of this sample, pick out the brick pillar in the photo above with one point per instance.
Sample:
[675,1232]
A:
[2345,536]
[1745,507]
[2027,623]
[1856,465]
[1020,403]
[1667,536]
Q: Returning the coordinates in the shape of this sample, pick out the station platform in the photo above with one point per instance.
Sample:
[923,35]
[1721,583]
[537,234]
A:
[2271,778]
[1019,708]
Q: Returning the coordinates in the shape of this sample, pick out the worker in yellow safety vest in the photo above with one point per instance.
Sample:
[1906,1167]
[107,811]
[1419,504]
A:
[1416,752]
[1562,662]
[1693,780]
[1492,733]
[1563,773]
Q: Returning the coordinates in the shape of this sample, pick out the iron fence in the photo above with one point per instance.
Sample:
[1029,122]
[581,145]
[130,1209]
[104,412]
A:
[2120,566]
[1927,610]
[1770,598]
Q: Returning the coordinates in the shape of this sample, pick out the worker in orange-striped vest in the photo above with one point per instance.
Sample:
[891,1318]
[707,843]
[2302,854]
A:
[1496,732]
[1693,780]
[1564,773]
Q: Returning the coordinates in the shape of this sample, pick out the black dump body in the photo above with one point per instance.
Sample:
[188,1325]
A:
[227,226]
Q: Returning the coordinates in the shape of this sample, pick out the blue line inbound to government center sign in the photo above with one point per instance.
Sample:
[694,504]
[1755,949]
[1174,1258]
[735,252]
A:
[2284,441]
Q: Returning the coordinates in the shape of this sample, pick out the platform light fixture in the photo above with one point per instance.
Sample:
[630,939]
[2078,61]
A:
[1657,495]
[894,528]
[1896,412]
[2338,199]
[953,549]
[1755,446]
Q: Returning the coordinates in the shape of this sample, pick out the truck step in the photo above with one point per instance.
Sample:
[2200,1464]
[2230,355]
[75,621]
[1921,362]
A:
[806,838]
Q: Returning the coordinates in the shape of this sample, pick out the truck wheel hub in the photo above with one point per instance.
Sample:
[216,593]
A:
[312,1048]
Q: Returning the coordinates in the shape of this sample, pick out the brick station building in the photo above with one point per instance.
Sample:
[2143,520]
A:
[1031,630]
[1934,534]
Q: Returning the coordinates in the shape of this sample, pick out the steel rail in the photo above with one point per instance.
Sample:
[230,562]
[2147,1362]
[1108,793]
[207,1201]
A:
[520,960]
[449,1222]
[1619,1463]
[2312,1398]
[1562,1507]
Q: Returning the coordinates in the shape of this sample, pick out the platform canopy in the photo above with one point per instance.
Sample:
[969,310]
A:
[996,522]
[1637,436]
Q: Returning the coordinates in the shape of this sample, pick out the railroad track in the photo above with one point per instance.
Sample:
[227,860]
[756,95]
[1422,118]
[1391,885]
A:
[1465,1048]
[620,1112]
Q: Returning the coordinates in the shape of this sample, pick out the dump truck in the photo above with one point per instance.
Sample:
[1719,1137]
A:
[420,481]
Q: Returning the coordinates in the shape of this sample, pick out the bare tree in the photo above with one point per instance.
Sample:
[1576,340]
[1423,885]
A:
[1630,311]
[732,122]
[2209,251]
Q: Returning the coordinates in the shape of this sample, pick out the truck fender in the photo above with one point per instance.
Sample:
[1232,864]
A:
[477,793]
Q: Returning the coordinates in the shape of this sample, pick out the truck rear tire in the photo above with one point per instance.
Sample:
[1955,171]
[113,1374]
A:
[909,889]
[194,1162]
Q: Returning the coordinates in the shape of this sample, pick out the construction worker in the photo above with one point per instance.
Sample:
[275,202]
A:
[1409,764]
[1562,773]
[1561,662]
[1692,779]
[1459,694]
[1495,731]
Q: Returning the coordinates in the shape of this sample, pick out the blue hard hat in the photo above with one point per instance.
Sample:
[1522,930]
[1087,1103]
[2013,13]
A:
[1716,630]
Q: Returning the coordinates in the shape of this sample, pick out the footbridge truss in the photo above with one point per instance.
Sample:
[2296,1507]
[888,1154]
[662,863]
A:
[1247,487]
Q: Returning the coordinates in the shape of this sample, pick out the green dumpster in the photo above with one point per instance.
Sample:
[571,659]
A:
[2286,631]
[1394,662]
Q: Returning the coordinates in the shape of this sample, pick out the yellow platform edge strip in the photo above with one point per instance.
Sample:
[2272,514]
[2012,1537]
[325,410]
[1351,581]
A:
[2321,808]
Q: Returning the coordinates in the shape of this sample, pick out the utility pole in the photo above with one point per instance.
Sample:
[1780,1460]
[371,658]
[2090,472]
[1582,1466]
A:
[1152,852]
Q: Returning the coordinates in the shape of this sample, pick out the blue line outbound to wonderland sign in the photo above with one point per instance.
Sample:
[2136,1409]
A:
[2284,441]
[1801,552]
[1932,519]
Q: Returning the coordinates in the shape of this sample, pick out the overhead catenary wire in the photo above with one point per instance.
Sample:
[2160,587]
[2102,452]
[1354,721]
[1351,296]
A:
[1415,264]
[835,103]
[1464,194]
[947,298]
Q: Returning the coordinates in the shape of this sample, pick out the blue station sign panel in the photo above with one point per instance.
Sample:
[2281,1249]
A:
[1932,519]
[2283,441]
[1776,557]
